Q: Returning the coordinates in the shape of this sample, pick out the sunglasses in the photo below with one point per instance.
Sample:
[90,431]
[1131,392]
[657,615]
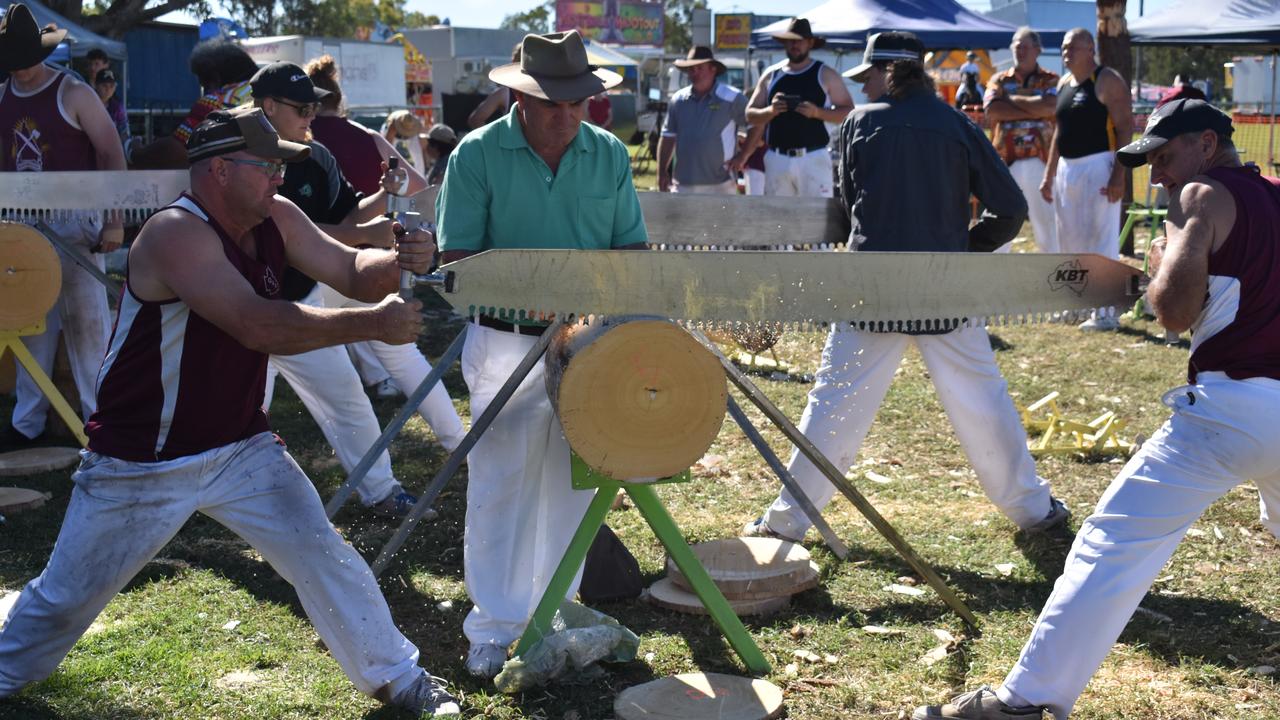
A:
[304,111]
[271,168]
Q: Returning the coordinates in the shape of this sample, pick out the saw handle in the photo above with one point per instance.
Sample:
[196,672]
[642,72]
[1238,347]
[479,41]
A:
[406,276]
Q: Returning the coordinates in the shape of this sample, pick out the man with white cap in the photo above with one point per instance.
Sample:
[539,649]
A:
[701,128]
[792,104]
[1219,276]
[538,178]
[909,144]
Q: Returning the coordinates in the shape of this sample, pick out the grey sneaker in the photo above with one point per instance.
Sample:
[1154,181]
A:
[484,660]
[1100,323]
[1058,515]
[981,704]
[758,528]
[385,390]
[428,697]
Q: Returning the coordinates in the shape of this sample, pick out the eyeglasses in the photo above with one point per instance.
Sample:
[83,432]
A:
[269,168]
[304,111]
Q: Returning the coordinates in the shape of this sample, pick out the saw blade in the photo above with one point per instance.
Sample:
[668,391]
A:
[30,196]
[758,222]
[869,290]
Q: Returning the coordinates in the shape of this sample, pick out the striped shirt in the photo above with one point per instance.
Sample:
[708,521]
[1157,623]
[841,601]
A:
[172,383]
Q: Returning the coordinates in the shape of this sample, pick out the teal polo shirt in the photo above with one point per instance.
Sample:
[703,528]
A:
[497,193]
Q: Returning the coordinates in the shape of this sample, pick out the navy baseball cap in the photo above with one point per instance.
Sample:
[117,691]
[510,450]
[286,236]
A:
[1168,122]
[288,81]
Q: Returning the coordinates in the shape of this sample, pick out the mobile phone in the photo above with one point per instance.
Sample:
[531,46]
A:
[792,101]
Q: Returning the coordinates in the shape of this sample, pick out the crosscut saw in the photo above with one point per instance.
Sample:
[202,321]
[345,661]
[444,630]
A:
[882,291]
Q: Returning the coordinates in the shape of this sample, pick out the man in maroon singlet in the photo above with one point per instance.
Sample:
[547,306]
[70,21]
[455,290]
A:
[180,427]
[50,121]
[1220,277]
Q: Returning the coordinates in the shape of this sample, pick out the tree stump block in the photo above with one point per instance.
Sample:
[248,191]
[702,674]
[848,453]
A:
[33,461]
[30,276]
[666,594]
[639,399]
[752,568]
[700,696]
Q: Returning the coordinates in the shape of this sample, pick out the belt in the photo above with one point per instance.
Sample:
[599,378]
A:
[496,324]
[798,152]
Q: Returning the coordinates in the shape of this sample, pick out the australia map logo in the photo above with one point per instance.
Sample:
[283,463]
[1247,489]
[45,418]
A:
[1069,275]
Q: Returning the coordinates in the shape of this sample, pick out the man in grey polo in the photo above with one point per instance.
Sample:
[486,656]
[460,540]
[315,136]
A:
[701,127]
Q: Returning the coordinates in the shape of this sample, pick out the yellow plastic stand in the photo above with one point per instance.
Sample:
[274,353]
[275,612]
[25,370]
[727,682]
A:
[10,340]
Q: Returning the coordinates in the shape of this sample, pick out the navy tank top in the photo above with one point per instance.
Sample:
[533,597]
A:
[1084,125]
[791,130]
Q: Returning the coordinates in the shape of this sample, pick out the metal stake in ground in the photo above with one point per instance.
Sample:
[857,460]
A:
[451,465]
[788,481]
[837,478]
[393,428]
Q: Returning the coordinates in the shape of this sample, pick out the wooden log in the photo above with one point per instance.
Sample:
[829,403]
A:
[639,399]
[752,568]
[32,461]
[700,696]
[15,500]
[665,593]
[30,276]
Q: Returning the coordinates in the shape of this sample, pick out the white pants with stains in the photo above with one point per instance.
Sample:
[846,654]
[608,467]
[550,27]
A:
[522,510]
[82,316]
[1221,433]
[122,513]
[1029,173]
[408,368]
[810,175]
[1086,221]
[855,373]
[327,384]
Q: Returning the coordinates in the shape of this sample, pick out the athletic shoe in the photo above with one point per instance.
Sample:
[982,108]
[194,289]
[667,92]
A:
[1058,515]
[385,390]
[484,660]
[398,505]
[758,528]
[427,697]
[981,704]
[1100,323]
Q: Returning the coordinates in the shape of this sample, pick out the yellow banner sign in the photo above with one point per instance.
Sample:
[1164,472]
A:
[733,32]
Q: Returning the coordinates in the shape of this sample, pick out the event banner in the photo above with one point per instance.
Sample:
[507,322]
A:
[733,32]
[623,22]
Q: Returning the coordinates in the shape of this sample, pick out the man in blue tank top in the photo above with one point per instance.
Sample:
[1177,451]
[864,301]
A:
[791,106]
[1219,275]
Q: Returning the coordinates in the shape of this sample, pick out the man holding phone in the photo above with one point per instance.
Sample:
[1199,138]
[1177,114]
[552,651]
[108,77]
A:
[791,105]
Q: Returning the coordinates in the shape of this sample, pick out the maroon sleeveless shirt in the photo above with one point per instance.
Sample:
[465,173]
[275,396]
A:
[173,384]
[35,134]
[1238,331]
[355,150]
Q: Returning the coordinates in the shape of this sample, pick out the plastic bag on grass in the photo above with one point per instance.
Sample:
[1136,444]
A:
[579,638]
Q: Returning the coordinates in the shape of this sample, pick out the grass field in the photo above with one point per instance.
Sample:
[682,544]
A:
[166,647]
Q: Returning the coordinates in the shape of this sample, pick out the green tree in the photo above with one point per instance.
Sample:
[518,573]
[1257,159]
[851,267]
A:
[679,21]
[536,20]
[113,18]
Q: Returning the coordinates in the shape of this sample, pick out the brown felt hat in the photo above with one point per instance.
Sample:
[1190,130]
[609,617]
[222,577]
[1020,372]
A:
[799,29]
[244,128]
[555,67]
[700,55]
[23,43]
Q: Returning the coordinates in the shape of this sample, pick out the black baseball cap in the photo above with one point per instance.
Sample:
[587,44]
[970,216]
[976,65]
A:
[104,76]
[245,128]
[1168,122]
[288,81]
[887,47]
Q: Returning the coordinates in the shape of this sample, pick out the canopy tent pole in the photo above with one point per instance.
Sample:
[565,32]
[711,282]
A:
[1271,126]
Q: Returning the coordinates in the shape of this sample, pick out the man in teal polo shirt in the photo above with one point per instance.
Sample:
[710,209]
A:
[539,178]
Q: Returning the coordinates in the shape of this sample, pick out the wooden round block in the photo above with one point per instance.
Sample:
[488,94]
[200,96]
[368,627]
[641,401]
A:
[30,276]
[752,567]
[37,460]
[667,594]
[700,696]
[638,398]
[15,499]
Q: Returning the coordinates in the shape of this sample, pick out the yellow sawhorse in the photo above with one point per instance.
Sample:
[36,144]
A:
[11,340]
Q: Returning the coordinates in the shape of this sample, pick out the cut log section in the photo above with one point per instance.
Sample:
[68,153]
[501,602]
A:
[665,593]
[752,568]
[700,696]
[15,499]
[639,399]
[37,460]
[30,276]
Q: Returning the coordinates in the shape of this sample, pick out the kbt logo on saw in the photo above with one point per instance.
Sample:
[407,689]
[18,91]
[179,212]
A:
[1070,275]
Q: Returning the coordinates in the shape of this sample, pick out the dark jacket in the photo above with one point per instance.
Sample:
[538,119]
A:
[907,169]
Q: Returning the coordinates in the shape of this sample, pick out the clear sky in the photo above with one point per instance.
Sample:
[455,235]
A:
[489,13]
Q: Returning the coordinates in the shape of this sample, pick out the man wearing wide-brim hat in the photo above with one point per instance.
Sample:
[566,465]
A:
[538,178]
[52,121]
[790,106]
[701,129]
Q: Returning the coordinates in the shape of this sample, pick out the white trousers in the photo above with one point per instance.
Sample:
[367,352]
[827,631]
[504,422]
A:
[809,175]
[367,365]
[122,513]
[1221,433]
[327,384]
[755,181]
[728,187]
[1086,221]
[1029,173]
[408,368]
[855,373]
[522,510]
[82,316]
